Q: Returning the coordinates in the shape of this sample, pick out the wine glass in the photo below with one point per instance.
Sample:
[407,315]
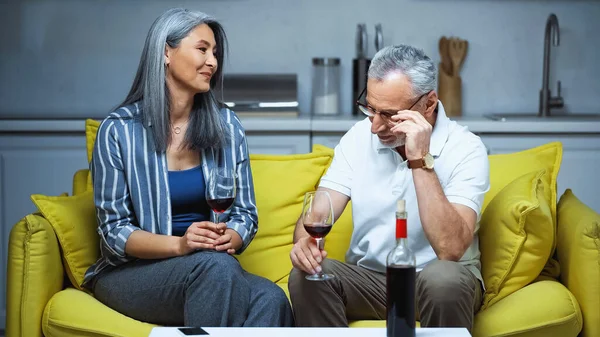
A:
[220,190]
[317,218]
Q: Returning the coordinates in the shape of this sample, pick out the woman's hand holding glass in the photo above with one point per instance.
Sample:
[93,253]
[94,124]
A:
[229,241]
[202,235]
[207,235]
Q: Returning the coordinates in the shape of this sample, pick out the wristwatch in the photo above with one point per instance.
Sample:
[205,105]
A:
[425,162]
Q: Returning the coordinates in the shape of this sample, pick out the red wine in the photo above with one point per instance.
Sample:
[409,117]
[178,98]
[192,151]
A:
[220,205]
[317,231]
[400,285]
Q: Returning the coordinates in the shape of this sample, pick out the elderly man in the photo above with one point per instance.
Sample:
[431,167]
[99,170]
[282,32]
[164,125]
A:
[412,152]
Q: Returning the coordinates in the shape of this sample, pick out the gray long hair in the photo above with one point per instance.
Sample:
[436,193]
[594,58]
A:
[408,60]
[205,126]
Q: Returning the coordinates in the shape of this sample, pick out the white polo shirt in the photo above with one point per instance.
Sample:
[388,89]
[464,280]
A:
[374,177]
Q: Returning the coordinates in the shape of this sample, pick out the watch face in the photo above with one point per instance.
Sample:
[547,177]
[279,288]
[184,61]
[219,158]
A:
[428,159]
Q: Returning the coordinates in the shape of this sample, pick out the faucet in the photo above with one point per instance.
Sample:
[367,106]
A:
[546,99]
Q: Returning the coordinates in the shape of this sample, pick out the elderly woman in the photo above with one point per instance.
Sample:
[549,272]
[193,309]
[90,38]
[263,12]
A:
[162,260]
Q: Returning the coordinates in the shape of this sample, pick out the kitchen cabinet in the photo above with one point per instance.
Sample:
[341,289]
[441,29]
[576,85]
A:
[329,139]
[579,165]
[277,135]
[278,143]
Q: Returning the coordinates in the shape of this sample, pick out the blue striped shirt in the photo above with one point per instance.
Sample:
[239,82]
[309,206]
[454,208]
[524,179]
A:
[131,189]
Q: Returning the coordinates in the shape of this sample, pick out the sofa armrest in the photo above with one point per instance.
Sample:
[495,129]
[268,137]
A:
[80,181]
[578,253]
[35,274]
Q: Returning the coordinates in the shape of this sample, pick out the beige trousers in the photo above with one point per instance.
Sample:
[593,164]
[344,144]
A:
[447,295]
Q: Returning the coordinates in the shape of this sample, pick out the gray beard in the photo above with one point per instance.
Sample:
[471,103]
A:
[397,143]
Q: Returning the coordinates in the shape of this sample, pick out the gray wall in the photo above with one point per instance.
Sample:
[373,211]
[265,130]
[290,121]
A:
[74,58]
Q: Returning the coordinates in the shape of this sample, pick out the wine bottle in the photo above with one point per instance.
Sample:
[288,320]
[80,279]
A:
[400,281]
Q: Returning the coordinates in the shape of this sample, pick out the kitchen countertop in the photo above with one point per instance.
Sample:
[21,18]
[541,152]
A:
[484,125]
[338,124]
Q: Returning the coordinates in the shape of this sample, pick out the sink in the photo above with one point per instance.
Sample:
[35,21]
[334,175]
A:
[533,116]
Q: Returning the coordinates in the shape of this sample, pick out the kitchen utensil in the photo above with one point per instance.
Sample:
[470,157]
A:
[457,49]
[445,63]
[453,52]
[465,49]
[378,37]
[361,41]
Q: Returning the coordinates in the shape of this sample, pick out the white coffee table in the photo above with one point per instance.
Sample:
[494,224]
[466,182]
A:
[312,332]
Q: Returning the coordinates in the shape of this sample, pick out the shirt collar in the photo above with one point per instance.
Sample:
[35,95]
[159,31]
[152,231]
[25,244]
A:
[439,135]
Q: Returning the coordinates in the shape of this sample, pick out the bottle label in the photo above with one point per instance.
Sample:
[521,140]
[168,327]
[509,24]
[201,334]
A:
[400,228]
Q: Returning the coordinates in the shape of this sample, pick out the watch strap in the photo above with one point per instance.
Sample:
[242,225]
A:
[414,164]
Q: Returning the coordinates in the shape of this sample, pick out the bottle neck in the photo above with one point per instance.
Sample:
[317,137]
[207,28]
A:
[400,229]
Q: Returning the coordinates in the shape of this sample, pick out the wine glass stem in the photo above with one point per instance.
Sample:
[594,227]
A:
[215,217]
[320,246]
[319,243]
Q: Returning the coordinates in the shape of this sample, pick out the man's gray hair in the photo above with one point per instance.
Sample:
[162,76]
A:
[407,60]
[205,126]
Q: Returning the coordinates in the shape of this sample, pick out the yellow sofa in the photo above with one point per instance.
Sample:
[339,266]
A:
[529,293]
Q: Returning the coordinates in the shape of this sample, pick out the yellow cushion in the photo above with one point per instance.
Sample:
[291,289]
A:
[504,168]
[280,182]
[322,149]
[80,181]
[74,313]
[91,130]
[74,221]
[579,255]
[541,309]
[516,236]
[369,324]
[35,274]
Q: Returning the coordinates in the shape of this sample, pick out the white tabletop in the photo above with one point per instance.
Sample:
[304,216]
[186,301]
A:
[312,332]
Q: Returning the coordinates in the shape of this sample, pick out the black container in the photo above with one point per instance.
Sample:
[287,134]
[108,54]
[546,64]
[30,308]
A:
[360,67]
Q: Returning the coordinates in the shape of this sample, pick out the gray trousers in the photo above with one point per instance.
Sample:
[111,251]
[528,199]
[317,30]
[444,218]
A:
[203,289]
[447,295]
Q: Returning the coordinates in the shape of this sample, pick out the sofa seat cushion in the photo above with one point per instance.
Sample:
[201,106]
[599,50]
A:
[373,324]
[72,312]
[541,309]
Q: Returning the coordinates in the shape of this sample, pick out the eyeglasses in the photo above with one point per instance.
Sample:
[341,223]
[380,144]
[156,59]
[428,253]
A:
[369,111]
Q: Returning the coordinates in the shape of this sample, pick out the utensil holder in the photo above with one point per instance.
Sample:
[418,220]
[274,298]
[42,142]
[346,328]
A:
[450,93]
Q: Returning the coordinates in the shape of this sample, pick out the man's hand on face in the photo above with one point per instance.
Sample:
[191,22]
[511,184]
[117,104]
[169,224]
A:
[417,131]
